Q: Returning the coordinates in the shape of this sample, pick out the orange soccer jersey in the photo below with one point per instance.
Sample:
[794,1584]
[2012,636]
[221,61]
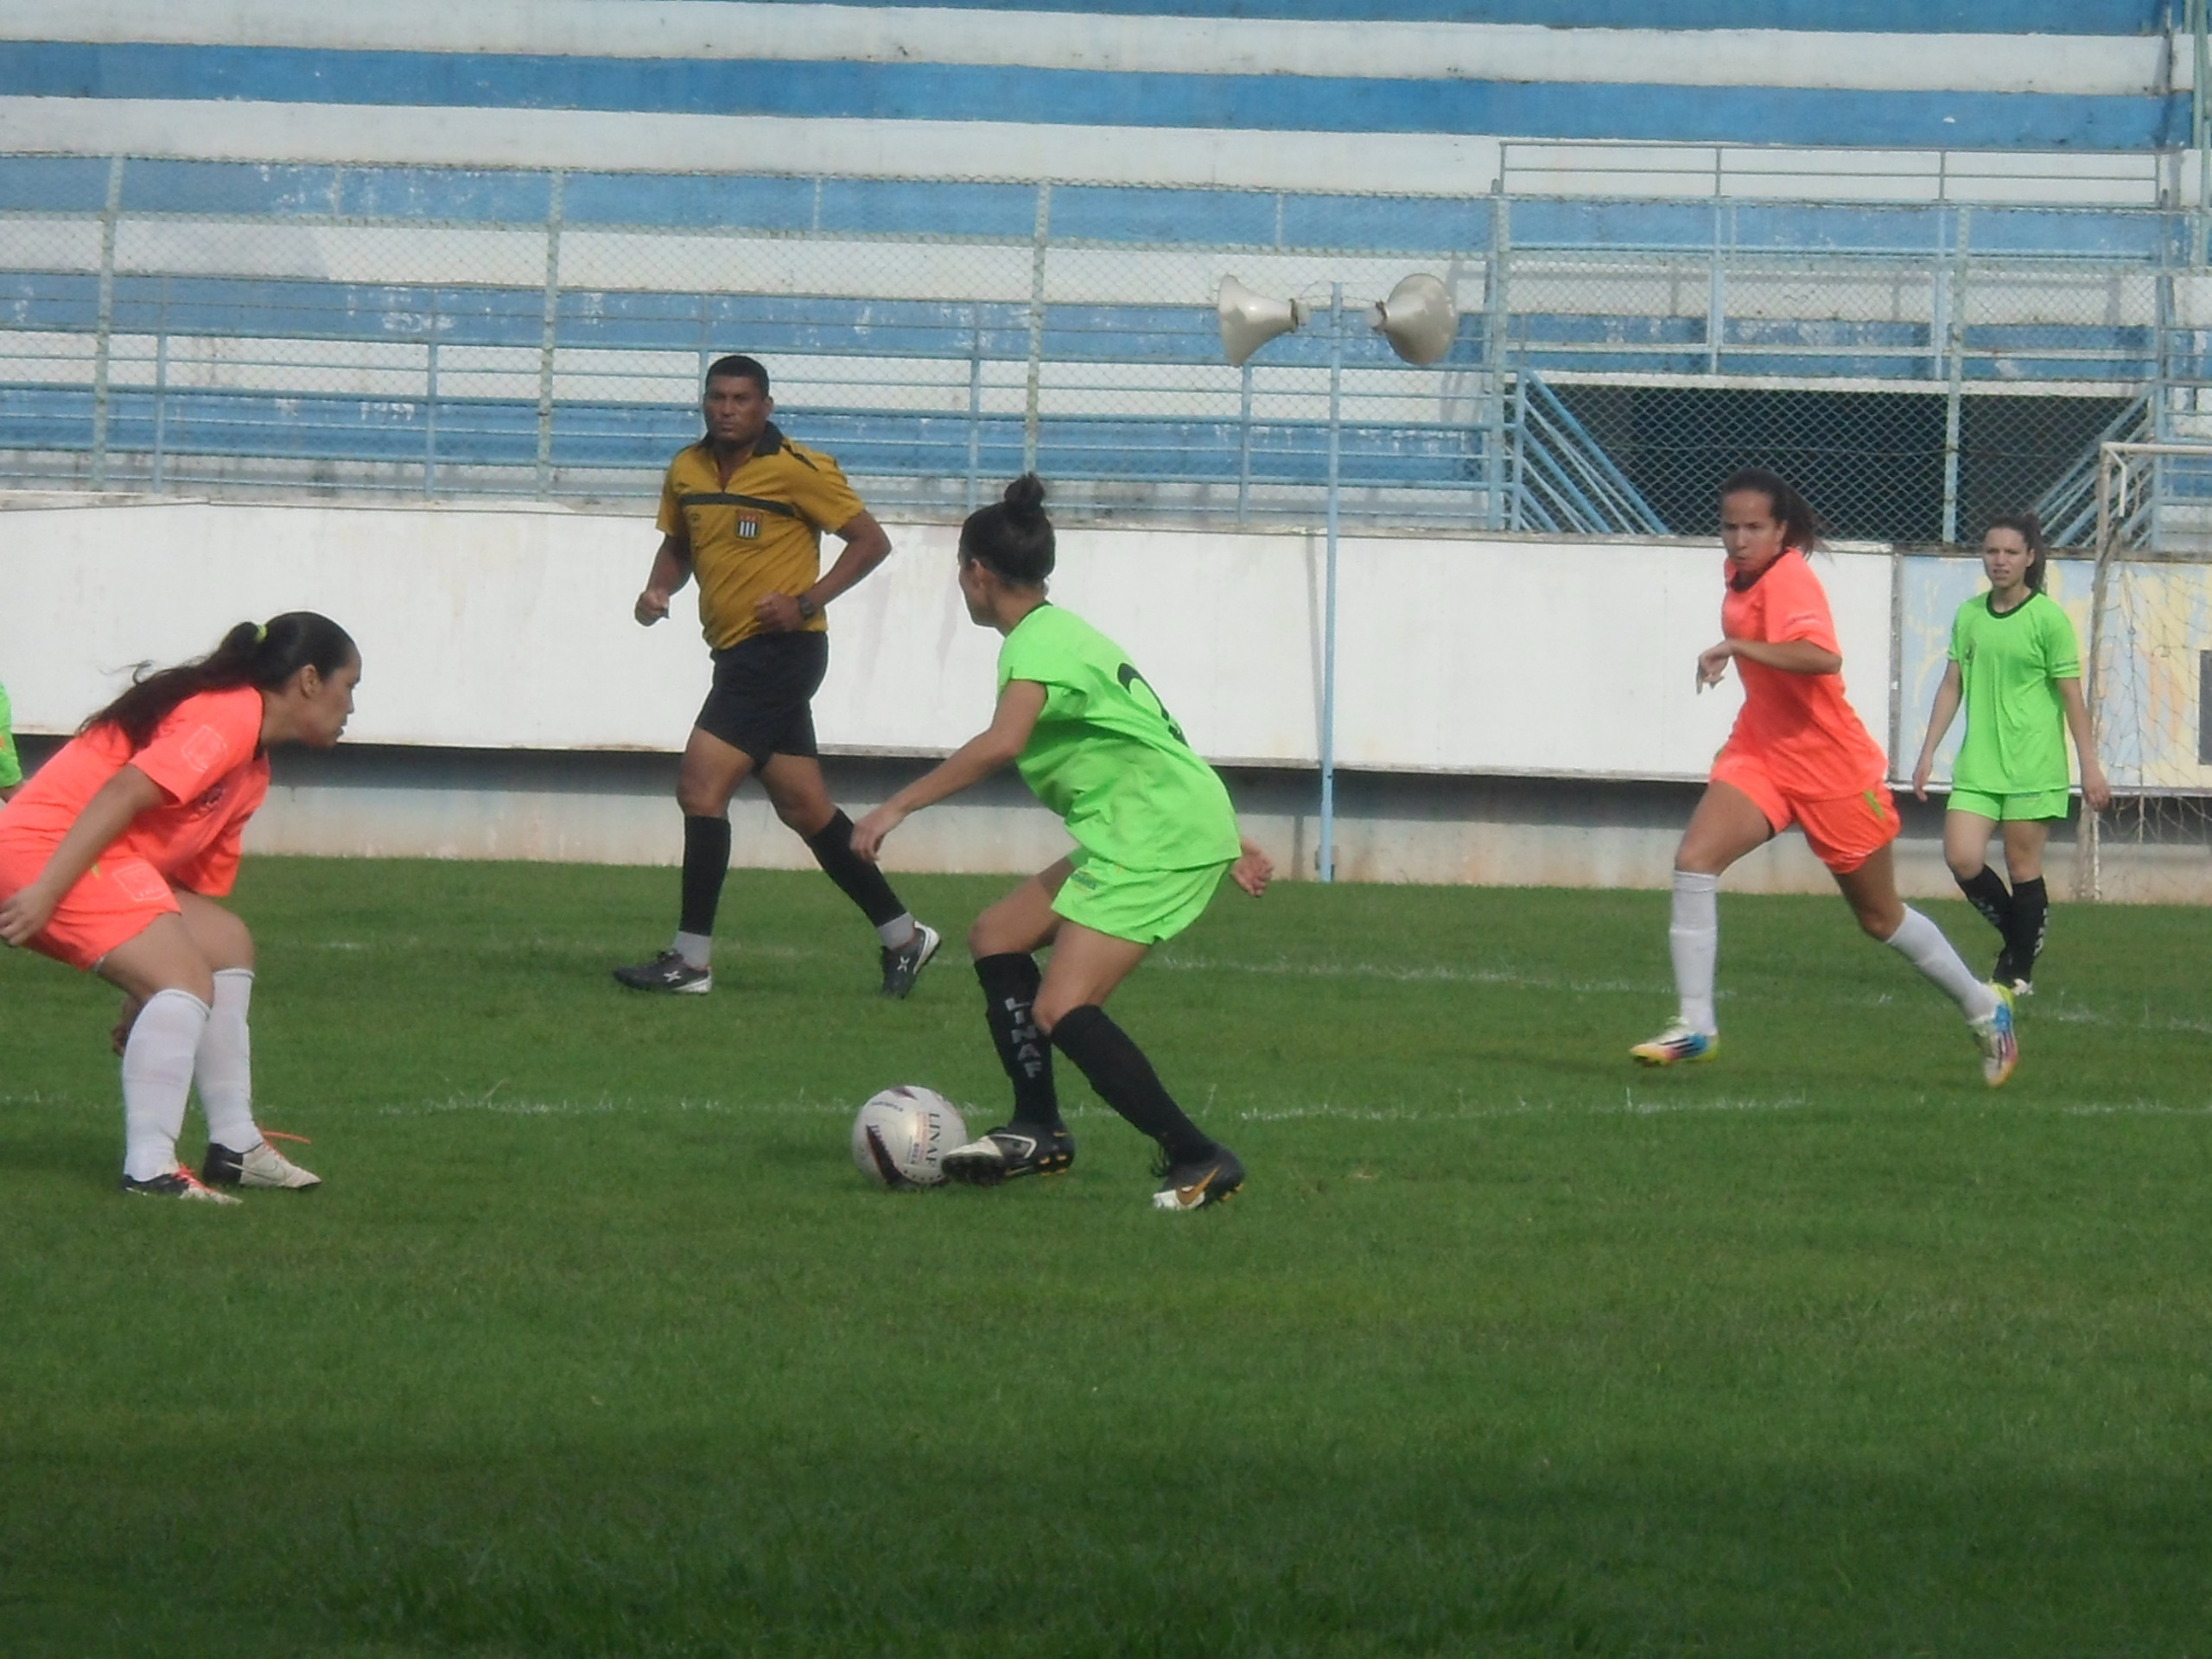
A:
[205,758]
[1800,728]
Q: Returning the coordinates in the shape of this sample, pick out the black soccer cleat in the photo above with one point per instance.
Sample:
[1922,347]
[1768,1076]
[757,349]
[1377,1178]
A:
[1202,1181]
[1014,1150]
[2012,973]
[178,1182]
[903,965]
[667,972]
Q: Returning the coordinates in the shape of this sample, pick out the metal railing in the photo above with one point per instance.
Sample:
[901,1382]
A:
[302,329]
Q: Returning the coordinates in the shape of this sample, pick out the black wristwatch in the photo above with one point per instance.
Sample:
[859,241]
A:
[808,610]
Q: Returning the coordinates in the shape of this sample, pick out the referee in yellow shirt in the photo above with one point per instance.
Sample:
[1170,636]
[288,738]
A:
[743,511]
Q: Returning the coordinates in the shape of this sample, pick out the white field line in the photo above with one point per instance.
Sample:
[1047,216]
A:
[1283,967]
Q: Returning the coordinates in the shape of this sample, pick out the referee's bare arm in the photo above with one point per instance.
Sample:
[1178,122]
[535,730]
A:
[671,570]
[865,546]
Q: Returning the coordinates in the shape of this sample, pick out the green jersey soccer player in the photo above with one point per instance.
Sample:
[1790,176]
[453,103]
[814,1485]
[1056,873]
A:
[11,769]
[1154,834]
[2015,667]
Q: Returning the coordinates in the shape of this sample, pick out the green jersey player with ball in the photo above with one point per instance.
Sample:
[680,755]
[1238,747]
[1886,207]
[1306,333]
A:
[1154,835]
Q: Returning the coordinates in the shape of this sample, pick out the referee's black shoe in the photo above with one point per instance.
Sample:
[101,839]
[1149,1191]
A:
[667,972]
[1014,1150]
[903,965]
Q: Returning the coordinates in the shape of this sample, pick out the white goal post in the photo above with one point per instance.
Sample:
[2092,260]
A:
[2147,674]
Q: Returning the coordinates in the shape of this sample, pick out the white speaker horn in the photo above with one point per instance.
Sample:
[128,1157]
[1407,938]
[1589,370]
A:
[1249,321]
[1418,320]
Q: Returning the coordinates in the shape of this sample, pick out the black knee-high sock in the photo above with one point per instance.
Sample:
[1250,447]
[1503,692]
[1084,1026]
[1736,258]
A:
[1010,983]
[1985,890]
[857,879]
[1125,1080]
[706,861]
[2031,913]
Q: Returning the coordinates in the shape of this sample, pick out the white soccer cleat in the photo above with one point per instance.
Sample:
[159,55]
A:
[259,1165]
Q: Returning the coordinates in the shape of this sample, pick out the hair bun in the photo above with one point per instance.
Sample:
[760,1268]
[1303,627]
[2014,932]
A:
[1025,497]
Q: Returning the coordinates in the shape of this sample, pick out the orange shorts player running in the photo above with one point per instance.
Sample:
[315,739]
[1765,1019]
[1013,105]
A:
[1798,753]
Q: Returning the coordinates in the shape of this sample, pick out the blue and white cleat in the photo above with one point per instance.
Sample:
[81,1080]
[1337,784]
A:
[1676,1046]
[2000,1049]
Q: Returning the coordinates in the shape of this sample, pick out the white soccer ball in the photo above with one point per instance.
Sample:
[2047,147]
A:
[901,1137]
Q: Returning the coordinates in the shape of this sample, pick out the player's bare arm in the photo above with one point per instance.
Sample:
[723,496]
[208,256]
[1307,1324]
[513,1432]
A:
[672,569]
[1018,706]
[2094,789]
[867,546]
[1939,721]
[107,816]
[1789,656]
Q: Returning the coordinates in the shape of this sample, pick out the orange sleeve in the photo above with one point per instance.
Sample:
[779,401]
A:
[1797,606]
[202,739]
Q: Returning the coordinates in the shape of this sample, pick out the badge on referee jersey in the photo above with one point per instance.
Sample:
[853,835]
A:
[748,530]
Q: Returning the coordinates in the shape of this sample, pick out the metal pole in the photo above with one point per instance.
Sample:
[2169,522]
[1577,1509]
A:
[161,393]
[1501,232]
[1955,350]
[974,413]
[547,337]
[1044,228]
[430,414]
[1328,851]
[104,337]
[1244,449]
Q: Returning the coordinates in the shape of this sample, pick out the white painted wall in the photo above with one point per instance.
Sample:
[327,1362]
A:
[510,628]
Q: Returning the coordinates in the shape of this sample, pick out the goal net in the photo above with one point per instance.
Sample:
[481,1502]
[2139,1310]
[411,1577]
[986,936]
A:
[2148,678]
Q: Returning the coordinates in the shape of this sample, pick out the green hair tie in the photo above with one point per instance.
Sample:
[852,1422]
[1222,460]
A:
[260,632]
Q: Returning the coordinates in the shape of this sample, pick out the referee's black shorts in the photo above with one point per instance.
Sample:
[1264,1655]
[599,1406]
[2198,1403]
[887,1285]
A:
[762,698]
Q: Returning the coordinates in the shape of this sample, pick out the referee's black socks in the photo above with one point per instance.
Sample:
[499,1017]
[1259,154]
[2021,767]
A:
[1125,1080]
[858,880]
[1010,982]
[706,862]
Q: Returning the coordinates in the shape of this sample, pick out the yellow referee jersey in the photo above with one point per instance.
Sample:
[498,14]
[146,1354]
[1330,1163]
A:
[760,533]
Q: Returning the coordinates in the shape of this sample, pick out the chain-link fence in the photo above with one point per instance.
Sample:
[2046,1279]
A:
[434,333]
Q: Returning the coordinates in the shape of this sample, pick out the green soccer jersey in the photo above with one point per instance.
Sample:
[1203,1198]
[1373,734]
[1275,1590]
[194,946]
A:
[1105,756]
[11,771]
[2009,670]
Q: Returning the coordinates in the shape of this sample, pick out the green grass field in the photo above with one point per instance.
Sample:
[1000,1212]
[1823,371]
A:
[594,1343]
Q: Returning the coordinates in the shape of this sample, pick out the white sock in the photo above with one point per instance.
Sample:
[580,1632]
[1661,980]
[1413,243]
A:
[896,932]
[157,1079]
[224,1069]
[697,950]
[1923,944]
[1693,937]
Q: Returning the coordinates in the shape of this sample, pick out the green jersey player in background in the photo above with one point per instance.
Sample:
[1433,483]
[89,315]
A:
[1154,834]
[2016,666]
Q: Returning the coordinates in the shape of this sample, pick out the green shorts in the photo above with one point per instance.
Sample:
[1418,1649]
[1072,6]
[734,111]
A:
[2009,809]
[1143,906]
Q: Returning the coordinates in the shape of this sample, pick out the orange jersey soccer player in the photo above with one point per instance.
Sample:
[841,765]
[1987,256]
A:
[111,858]
[1798,754]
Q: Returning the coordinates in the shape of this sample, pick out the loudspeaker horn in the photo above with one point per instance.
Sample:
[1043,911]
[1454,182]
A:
[1249,321]
[1418,320]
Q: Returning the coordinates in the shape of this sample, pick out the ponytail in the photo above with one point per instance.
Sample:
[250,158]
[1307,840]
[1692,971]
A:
[263,655]
[1013,538]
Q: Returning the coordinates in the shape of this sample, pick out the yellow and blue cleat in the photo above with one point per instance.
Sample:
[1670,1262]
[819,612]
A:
[1676,1046]
[2000,1049]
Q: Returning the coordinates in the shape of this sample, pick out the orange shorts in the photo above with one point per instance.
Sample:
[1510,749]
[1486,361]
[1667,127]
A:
[117,900]
[1844,832]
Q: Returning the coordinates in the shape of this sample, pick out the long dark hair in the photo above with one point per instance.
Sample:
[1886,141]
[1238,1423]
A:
[2030,529]
[1012,539]
[1800,528]
[262,655]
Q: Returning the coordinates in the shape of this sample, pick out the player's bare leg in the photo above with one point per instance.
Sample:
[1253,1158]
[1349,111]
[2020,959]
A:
[795,788]
[1727,824]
